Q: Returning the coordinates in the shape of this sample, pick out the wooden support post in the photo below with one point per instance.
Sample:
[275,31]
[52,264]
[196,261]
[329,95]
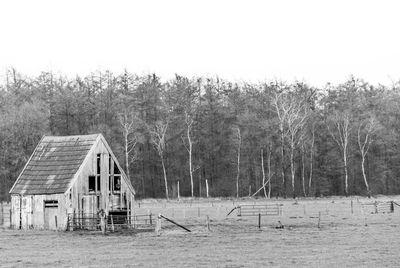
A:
[208,223]
[207,188]
[376,207]
[391,207]
[151,221]
[319,220]
[259,220]
[55,219]
[112,223]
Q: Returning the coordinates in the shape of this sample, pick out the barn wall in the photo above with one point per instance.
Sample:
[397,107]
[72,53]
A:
[29,212]
[84,202]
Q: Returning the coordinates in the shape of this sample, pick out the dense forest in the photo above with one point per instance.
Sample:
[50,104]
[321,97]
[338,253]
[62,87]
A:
[205,132]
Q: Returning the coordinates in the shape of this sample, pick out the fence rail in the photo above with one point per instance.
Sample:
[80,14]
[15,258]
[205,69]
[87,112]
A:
[256,210]
[93,221]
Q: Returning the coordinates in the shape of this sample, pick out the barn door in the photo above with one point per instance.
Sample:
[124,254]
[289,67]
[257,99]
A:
[50,214]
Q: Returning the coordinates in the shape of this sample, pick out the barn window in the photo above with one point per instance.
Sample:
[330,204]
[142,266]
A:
[98,164]
[117,178]
[117,183]
[50,203]
[98,183]
[116,169]
[92,183]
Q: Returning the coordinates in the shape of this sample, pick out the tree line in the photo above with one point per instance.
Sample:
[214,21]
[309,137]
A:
[212,136]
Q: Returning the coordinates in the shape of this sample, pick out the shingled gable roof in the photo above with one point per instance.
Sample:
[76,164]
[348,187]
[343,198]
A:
[54,163]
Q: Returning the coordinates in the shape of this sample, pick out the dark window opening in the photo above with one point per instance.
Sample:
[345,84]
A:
[98,164]
[110,183]
[50,203]
[116,169]
[109,164]
[98,183]
[117,183]
[98,201]
[92,183]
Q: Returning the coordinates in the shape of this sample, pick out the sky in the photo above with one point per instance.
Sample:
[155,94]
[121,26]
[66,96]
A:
[312,41]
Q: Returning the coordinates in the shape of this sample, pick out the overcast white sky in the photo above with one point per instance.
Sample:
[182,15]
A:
[316,41]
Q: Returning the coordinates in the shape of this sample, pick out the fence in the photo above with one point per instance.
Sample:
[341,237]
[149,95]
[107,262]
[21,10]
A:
[379,207]
[5,214]
[92,222]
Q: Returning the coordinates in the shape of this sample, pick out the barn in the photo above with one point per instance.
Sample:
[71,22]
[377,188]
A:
[69,175]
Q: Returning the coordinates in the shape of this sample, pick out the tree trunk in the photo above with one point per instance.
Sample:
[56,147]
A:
[165,178]
[346,184]
[303,170]
[238,163]
[364,175]
[292,168]
[269,170]
[190,160]
[127,155]
[263,172]
[283,163]
[311,161]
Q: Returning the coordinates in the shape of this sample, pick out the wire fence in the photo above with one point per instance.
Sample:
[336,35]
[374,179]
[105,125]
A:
[93,222]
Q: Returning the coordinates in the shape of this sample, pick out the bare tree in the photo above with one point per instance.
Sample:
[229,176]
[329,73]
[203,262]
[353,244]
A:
[157,134]
[128,125]
[189,146]
[340,134]
[279,103]
[296,119]
[367,127]
[292,111]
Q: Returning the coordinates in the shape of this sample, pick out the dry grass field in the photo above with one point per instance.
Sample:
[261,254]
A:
[346,237]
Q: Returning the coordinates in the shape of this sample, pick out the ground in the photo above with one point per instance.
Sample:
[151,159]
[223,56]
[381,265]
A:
[348,236]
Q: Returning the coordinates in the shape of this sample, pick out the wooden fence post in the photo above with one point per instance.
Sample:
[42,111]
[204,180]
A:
[208,223]
[351,204]
[55,220]
[2,214]
[319,220]
[259,220]
[158,225]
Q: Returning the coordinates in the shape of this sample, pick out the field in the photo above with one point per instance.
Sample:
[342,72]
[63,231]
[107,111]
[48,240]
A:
[348,236]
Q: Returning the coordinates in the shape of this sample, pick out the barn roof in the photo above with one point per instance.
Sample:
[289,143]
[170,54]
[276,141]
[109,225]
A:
[53,164]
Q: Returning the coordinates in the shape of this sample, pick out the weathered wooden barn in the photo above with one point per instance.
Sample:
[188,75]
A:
[69,175]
